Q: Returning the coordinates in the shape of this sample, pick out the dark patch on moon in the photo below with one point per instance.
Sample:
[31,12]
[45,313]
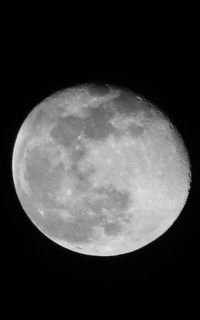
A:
[67,130]
[97,125]
[114,199]
[78,151]
[82,181]
[135,130]
[40,117]
[112,228]
[42,178]
[98,90]
[76,232]
[81,178]
[111,200]
[36,172]
[96,206]
[126,104]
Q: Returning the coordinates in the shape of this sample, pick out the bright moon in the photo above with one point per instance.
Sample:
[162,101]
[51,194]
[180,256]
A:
[100,170]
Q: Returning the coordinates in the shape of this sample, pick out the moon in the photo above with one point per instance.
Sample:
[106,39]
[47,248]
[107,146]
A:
[100,170]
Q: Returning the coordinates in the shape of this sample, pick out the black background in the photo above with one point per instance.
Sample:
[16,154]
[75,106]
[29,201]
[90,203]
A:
[151,50]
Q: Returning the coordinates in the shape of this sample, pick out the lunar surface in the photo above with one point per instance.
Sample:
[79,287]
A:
[100,170]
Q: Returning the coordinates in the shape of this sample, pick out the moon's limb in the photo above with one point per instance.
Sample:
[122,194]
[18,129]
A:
[115,141]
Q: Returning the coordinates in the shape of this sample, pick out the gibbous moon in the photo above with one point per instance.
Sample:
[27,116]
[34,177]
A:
[100,170]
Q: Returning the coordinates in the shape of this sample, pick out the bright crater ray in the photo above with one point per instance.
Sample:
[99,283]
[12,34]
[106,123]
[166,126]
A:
[99,170]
